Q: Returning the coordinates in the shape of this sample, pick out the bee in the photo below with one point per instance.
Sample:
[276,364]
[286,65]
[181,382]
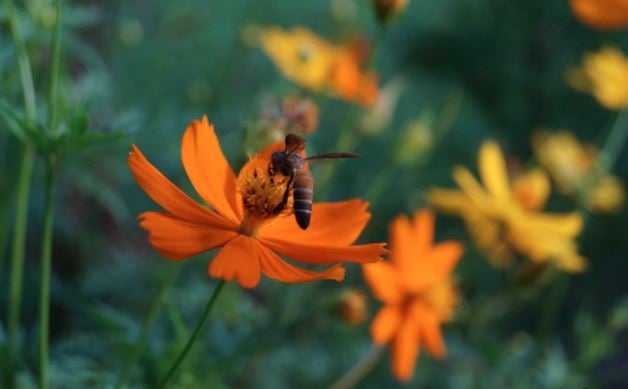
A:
[290,163]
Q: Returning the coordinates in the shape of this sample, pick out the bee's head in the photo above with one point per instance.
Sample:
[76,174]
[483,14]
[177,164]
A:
[281,163]
[276,160]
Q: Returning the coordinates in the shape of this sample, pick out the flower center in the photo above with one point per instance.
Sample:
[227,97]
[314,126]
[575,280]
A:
[263,198]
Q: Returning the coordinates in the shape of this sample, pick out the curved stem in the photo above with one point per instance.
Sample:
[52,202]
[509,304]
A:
[171,276]
[353,377]
[195,334]
[46,262]
[23,185]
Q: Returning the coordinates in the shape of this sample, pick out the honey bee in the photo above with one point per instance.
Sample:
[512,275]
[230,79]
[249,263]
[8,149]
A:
[290,163]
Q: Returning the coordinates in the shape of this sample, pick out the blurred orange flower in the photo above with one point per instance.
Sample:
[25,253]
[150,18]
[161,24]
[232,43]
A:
[503,217]
[603,74]
[242,219]
[416,289]
[602,14]
[312,62]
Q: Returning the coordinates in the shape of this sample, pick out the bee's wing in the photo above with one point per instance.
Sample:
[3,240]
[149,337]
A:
[294,143]
[333,156]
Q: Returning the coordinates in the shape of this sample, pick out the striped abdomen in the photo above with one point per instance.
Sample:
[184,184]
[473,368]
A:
[303,195]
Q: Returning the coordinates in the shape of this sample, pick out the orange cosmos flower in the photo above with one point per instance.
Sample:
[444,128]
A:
[602,14]
[242,219]
[416,289]
[312,62]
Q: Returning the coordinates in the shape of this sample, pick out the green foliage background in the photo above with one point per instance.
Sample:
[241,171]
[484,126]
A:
[149,68]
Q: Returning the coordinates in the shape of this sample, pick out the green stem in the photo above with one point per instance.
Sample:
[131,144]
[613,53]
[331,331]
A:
[23,62]
[615,141]
[54,71]
[169,279]
[46,262]
[46,245]
[4,222]
[353,377]
[23,185]
[195,334]
[17,254]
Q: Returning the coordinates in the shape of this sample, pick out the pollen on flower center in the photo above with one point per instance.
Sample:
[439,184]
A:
[262,197]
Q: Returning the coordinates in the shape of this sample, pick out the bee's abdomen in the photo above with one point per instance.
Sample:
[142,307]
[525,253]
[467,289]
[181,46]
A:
[303,195]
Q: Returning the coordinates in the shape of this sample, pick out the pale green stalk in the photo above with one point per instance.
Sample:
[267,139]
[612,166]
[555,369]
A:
[48,229]
[356,374]
[201,323]
[23,185]
[171,276]
[46,263]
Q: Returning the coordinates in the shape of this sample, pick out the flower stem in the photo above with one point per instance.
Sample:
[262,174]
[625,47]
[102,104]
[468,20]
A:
[46,262]
[353,377]
[48,229]
[54,71]
[17,253]
[23,186]
[168,280]
[195,334]
[615,141]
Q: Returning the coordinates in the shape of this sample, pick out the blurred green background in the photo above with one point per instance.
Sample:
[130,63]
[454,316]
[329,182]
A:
[149,68]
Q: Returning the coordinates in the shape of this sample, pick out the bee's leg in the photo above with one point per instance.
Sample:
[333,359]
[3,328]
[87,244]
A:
[286,194]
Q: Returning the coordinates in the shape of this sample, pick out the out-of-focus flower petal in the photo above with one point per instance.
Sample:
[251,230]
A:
[386,324]
[405,349]
[383,279]
[492,167]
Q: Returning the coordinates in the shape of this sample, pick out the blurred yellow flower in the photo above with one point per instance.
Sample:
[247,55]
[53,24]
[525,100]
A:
[504,218]
[575,170]
[602,14]
[312,62]
[604,74]
[564,157]
[607,196]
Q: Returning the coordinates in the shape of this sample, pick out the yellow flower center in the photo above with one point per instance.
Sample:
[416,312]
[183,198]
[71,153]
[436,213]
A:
[442,298]
[263,197]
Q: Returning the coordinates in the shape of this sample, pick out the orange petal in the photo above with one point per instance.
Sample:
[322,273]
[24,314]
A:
[178,239]
[385,324]
[320,254]
[239,259]
[423,229]
[277,269]
[405,350]
[209,171]
[338,223]
[430,331]
[433,266]
[383,280]
[402,242]
[168,195]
